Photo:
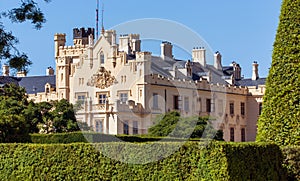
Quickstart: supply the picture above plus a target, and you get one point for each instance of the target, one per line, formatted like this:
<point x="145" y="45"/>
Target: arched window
<point x="102" y="58"/>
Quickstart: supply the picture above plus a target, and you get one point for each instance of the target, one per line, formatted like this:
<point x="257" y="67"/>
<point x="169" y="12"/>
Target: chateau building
<point x="122" y="89"/>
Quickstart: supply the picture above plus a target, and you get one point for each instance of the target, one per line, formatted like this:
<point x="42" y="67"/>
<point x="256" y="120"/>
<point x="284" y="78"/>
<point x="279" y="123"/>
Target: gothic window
<point x="102" y="58"/>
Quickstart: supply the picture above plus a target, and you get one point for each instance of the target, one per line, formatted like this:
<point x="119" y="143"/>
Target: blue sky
<point x="243" y="31"/>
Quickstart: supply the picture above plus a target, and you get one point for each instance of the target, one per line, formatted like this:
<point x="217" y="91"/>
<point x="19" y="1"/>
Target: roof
<point x="37" y="84"/>
<point x="163" y="67"/>
<point x="8" y="80"/>
<point x="250" y="82"/>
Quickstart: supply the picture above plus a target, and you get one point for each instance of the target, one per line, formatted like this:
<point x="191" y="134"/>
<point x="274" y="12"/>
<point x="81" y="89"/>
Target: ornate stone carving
<point x="102" y="79"/>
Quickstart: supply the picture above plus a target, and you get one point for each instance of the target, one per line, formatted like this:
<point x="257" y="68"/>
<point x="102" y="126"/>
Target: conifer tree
<point x="280" y="119"/>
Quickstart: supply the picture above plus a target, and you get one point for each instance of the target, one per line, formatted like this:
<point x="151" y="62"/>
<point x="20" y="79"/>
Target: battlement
<point x="83" y="33"/>
<point x="201" y="84"/>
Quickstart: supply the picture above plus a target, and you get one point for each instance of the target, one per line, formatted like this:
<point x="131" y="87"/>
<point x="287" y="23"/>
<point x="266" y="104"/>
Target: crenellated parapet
<point x="202" y="84"/>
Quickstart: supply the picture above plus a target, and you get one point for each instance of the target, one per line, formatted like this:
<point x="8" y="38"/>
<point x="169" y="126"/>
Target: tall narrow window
<point x="176" y="102"/>
<point x="155" y="100"/>
<point x="102" y="98"/>
<point x="231" y="108"/>
<point x="208" y="105"/>
<point x="125" y="127"/>
<point x="242" y="108"/>
<point x="99" y="126"/>
<point x="135" y="129"/>
<point x="123" y="97"/>
<point x="102" y="58"/>
<point x="220" y="106"/>
<point x="186" y="104"/>
<point x="243" y="135"/>
<point x="231" y="134"/>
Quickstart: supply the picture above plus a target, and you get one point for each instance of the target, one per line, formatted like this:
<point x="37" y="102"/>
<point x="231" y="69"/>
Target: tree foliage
<point x="173" y="125"/>
<point x="13" y="123"/>
<point x="280" y="119"/>
<point x="19" y="117"/>
<point x="27" y="11"/>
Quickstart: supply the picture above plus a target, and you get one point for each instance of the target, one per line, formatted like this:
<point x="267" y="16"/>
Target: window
<point x="125" y="127"/>
<point x="231" y="134"/>
<point x="99" y="126"/>
<point x="208" y="105"/>
<point x="102" y="58"/>
<point x="186" y="104"/>
<point x="220" y="106"/>
<point x="47" y="90"/>
<point x="155" y="100"/>
<point x="61" y="77"/>
<point x="81" y="98"/>
<point x="259" y="108"/>
<point x="231" y="108"/>
<point x="123" y="97"/>
<point x="135" y="129"/>
<point x="243" y="135"/>
<point x="242" y="108"/>
<point x="102" y="98"/>
<point x="176" y="102"/>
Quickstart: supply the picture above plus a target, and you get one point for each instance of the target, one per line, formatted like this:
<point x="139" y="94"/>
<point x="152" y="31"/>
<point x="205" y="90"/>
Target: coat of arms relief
<point x="102" y="79"/>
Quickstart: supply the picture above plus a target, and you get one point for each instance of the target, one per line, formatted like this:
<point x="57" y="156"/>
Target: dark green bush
<point x="102" y="161"/>
<point x="292" y="161"/>
<point x="92" y="137"/>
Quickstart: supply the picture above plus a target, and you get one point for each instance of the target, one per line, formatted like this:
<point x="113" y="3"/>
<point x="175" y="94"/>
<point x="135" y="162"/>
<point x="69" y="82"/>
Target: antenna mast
<point x="97" y="20"/>
<point x="102" y="19"/>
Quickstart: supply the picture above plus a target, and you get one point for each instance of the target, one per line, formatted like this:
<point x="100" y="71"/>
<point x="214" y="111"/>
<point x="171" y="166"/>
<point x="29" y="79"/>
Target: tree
<point x="28" y="11"/>
<point x="173" y="125"/>
<point x="280" y="118"/>
<point x="13" y="124"/>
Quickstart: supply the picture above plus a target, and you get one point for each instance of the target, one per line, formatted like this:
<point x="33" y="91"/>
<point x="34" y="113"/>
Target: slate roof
<point x="162" y="67"/>
<point x="250" y="82"/>
<point x="37" y="84"/>
<point x="8" y="80"/>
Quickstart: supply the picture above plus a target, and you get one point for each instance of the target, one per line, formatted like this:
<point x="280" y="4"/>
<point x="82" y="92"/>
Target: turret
<point x="59" y="40"/>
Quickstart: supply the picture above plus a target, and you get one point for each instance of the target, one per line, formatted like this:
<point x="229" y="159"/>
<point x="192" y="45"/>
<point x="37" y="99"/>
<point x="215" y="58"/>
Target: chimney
<point x="166" y="50"/>
<point x="218" y="61"/>
<point x="21" y="74"/>
<point x="255" y="71"/>
<point x="188" y="67"/>
<point x="199" y="55"/>
<point x="49" y="71"/>
<point x="5" y="70"/>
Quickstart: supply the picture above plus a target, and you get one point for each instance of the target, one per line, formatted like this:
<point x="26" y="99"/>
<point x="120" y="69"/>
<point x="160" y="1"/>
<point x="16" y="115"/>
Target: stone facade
<point x="123" y="89"/>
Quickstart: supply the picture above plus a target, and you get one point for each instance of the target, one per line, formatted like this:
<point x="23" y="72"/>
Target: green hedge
<point x="193" y="161"/>
<point x="92" y="137"/>
<point x="292" y="161"/>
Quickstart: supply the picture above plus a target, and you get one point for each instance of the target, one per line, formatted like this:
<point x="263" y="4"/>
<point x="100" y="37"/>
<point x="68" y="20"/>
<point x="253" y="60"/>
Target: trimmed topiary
<point x="280" y="119"/>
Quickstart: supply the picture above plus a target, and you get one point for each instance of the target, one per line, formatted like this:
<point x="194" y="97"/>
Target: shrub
<point x="292" y="161"/>
<point x="192" y="161"/>
<point x="279" y="121"/>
